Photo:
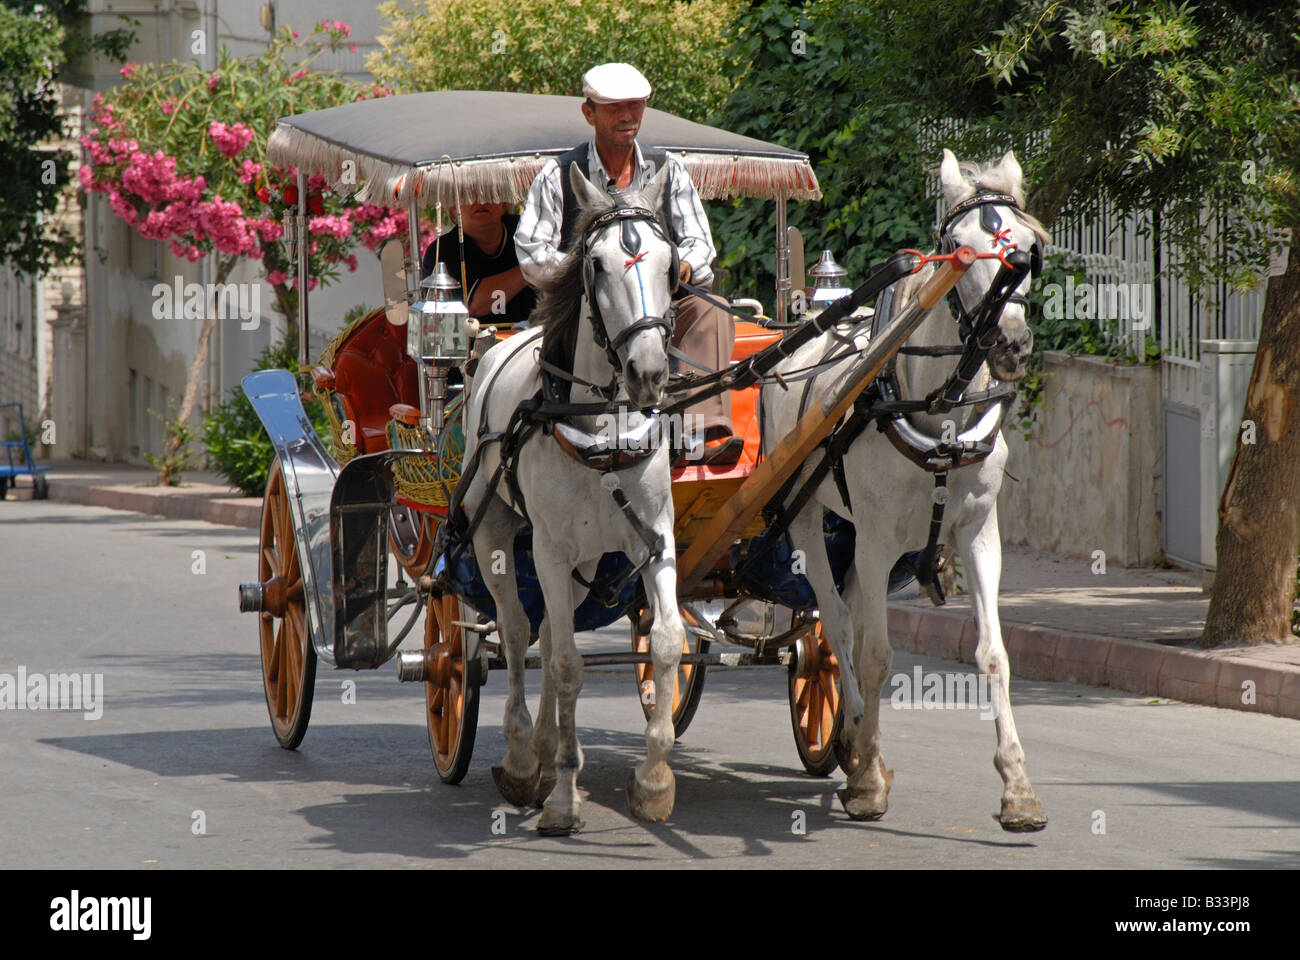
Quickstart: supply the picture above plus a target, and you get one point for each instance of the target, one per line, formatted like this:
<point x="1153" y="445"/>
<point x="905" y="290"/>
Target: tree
<point x="1153" y="105"/>
<point x="181" y="155"/>
<point x="36" y="40"/>
<point x="797" y="82"/>
<point x="540" y="46"/>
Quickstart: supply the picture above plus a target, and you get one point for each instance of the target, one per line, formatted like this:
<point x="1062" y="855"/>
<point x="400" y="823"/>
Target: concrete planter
<point x="1090" y="476"/>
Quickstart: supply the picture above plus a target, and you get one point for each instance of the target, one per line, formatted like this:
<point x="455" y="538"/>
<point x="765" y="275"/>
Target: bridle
<point x="630" y="243"/>
<point x="991" y="222"/>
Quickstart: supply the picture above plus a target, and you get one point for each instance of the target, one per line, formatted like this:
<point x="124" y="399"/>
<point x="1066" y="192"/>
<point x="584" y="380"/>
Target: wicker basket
<point x="428" y="480"/>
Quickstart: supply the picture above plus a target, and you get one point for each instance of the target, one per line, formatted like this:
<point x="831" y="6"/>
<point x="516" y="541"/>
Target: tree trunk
<point x="1259" y="513"/>
<point x="172" y="446"/>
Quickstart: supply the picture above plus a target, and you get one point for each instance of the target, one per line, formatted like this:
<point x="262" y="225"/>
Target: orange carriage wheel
<point x="288" y="657"/>
<point x="688" y="685"/>
<point x="816" y="711"/>
<point x="451" y="687"/>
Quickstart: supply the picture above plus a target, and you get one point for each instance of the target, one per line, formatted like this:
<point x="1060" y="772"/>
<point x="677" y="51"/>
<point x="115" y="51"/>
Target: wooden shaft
<point x="768" y="476"/>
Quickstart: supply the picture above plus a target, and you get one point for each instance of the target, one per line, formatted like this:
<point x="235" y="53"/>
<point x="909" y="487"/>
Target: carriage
<point x="393" y="384"/>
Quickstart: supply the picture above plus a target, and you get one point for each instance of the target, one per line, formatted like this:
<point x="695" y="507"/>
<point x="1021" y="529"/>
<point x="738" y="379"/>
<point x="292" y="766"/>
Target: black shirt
<point x="480" y="264"/>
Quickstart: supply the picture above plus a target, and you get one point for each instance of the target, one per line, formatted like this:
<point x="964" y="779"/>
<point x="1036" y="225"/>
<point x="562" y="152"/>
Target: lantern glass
<point x="441" y="336"/>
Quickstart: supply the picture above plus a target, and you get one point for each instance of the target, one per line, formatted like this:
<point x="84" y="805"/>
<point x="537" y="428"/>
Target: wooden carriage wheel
<point x="288" y="657"/>
<point x="450" y="690"/>
<point x="688" y="685"/>
<point x="816" y="710"/>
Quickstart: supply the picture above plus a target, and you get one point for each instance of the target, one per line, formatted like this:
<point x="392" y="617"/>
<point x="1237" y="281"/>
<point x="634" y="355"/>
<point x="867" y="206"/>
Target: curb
<point x="177" y="505"/>
<point x="1213" y="678"/>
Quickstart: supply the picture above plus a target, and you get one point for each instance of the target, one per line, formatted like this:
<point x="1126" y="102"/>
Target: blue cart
<point x="10" y="471"/>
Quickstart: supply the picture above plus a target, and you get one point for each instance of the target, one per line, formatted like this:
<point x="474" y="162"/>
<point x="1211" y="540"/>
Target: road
<point x="183" y="743"/>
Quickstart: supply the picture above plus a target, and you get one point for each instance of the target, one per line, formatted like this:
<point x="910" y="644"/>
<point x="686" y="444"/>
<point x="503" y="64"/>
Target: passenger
<point x="496" y="291"/>
<point x="613" y="161"/>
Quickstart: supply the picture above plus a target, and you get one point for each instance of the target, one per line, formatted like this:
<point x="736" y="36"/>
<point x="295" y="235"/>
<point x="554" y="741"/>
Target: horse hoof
<point x="520" y="792"/>
<point x="862" y="807"/>
<point x="558" y="823"/>
<point x="1022" y="816"/>
<point x="651" y="807"/>
<point x="544" y="787"/>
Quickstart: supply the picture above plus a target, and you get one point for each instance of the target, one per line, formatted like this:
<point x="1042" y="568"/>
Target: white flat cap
<point x="615" y="82"/>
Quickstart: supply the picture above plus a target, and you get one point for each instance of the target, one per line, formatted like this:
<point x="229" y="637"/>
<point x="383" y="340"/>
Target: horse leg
<point x="545" y="731"/>
<point x="652" y="789"/>
<point x="516" y="778"/>
<point x="564" y="663"/>
<point x="979" y="543"/>
<point x="866" y="796"/>
<point x="836" y="617"/>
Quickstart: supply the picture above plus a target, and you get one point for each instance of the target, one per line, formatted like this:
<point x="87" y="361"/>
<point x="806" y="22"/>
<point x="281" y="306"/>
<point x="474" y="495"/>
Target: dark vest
<point x="654" y="159"/>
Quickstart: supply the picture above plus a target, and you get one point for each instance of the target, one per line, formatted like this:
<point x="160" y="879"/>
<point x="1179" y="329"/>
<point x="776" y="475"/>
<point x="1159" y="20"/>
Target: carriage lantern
<point x="829" y="283"/>
<point x="438" y="336"/>
<point x="442" y="335"/>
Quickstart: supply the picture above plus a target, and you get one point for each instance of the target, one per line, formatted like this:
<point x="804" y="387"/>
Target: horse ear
<point x="588" y="195"/>
<point x="1011" y="167"/>
<point x="653" y="195"/>
<point x="953" y="183"/>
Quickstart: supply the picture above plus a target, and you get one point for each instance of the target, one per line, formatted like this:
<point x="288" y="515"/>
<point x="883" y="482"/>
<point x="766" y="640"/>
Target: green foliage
<point x="1152" y="104"/>
<point x="31" y="53"/>
<point x="544" y="46"/>
<point x="863" y="149"/>
<point x="178" y="434"/>
<point x="236" y="441"/>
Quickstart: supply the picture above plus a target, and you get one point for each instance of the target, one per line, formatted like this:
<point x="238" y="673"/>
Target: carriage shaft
<point x="730" y="521"/>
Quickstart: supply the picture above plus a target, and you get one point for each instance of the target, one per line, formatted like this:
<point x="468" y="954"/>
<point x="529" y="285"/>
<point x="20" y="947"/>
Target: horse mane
<point x="991" y="178"/>
<point x="559" y="298"/>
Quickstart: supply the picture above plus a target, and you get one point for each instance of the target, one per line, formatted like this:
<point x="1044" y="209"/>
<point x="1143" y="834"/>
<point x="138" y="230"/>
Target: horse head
<point x="986" y="211"/>
<point x="629" y="269"/>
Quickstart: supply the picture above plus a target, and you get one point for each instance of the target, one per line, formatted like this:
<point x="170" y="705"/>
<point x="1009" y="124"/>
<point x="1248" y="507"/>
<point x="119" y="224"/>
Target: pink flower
<point x="128" y="70"/>
<point x="295" y="34"/>
<point x="213" y="82"/>
<point x="230" y="140"/>
<point x="298" y="76"/>
<point x="249" y="172"/>
<point x="168" y="107"/>
<point x="331" y="225"/>
<point x="277" y="278"/>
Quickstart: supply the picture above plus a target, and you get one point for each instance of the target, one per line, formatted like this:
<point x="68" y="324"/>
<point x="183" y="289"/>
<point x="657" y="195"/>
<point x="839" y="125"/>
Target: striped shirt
<point x="537" y="240"/>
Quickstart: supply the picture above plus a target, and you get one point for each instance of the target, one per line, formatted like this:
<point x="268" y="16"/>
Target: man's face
<point x="481" y="215"/>
<point x="616" y="123"/>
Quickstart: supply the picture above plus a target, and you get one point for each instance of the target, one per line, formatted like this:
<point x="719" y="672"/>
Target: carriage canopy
<point x="497" y="143"/>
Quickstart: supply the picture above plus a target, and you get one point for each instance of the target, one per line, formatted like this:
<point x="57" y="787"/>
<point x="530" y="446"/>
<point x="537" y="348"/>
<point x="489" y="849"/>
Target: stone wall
<point x="1090" y="475"/>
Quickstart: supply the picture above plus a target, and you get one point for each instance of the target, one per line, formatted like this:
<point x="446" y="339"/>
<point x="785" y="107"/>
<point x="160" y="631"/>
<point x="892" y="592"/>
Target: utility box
<point x="1222" y="382"/>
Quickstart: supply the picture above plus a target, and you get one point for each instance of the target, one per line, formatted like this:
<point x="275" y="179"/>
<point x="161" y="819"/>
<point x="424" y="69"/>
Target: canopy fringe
<point x="506" y="179"/>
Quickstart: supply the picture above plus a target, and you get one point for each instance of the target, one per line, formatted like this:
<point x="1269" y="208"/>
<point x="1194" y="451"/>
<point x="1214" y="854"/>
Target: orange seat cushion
<point x="372" y="371"/>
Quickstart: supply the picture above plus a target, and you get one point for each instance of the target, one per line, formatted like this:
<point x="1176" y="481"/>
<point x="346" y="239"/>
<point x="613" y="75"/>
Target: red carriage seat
<point x="372" y="371"/>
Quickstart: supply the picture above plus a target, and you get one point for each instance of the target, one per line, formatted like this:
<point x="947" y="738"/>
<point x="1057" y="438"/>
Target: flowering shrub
<point x="180" y="154"/>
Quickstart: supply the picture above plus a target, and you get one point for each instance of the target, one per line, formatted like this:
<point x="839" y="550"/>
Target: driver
<point x="616" y="96"/>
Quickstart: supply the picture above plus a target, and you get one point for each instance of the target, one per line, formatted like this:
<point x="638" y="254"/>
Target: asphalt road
<point x="184" y="731"/>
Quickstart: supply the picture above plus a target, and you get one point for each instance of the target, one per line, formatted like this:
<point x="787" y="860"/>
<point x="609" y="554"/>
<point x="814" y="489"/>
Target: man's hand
<point x="684" y="271"/>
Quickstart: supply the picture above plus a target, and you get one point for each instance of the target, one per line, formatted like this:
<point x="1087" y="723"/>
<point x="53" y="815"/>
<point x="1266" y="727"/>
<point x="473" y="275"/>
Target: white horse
<point x="624" y="262"/>
<point x="892" y="497"/>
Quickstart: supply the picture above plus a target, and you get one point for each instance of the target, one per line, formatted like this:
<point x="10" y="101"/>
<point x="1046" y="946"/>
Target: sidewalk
<point x="1130" y="629"/>
<point x="204" y="495"/>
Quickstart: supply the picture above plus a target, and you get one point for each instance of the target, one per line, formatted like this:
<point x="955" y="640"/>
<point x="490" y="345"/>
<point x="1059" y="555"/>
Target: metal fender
<point x="309" y="476"/>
